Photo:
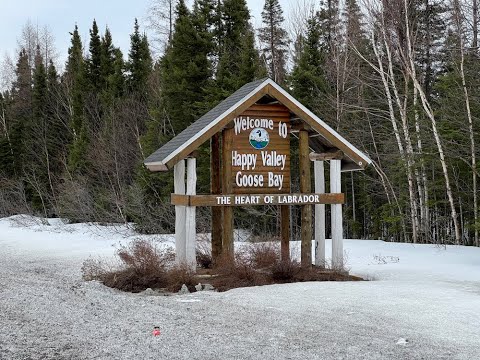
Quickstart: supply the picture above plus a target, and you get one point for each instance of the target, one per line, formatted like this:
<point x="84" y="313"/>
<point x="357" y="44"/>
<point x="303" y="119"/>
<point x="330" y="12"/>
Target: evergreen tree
<point x="274" y="39"/>
<point x="185" y="71"/>
<point x="94" y="62"/>
<point x="430" y="26"/>
<point x="36" y="172"/>
<point x="238" y="59"/>
<point x="308" y="80"/>
<point x="139" y="62"/>
<point x="39" y="88"/>
<point x="111" y="69"/>
<point x="58" y="131"/>
<point x="116" y="81"/>
<point x="21" y="112"/>
<point x="75" y="76"/>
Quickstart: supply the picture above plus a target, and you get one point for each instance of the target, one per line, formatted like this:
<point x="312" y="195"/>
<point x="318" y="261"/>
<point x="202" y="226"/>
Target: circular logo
<point x="259" y="138"/>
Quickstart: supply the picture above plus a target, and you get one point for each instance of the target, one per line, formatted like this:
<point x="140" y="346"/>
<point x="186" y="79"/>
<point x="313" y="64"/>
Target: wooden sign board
<point x="261" y="150"/>
<point x="257" y="199"/>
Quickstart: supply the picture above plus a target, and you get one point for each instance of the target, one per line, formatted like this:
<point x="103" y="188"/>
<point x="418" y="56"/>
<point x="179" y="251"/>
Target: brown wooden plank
<point x="180" y="200"/>
<point x="306" y="211"/>
<point x="266" y="114"/>
<point x="273" y="107"/>
<point x="274" y="199"/>
<point x="335" y="155"/>
<point x="216" y="188"/>
<point x="227" y="142"/>
<point x="285" y="232"/>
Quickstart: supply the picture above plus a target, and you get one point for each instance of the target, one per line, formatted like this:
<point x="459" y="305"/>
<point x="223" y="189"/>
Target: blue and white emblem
<point x="259" y="138"/>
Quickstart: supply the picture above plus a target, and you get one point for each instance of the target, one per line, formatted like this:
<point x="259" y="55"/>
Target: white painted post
<point x="179" y="188"/>
<point x="190" y="223"/>
<point x="337" y="221"/>
<point x="319" y="174"/>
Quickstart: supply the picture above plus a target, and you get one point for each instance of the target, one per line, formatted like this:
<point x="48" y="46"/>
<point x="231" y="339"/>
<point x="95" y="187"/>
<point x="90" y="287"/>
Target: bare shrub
<point x="264" y="255"/>
<point x="260" y="264"/>
<point x="203" y="252"/>
<point x="143" y="265"/>
<point x="94" y="269"/>
<point x="143" y="257"/>
<point x="13" y="198"/>
<point x="285" y="271"/>
<point x="180" y="275"/>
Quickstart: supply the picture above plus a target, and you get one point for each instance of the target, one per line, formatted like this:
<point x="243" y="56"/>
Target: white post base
<point x="179" y="188"/>
<point x="337" y="219"/>
<point x="319" y="175"/>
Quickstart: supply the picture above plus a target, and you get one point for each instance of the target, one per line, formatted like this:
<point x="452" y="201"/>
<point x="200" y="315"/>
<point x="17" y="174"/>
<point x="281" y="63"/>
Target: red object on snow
<point x="156" y="331"/>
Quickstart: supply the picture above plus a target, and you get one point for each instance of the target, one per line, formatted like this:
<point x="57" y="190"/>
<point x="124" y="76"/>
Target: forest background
<point x="399" y="79"/>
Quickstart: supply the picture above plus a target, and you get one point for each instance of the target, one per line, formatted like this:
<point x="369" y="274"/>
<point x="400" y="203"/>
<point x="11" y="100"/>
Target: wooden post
<point x="227" y="188"/>
<point x="305" y="187"/>
<point x="319" y="214"/>
<point x="285" y="232"/>
<point x="337" y="221"/>
<point x="190" y="223"/>
<point x="216" y="188"/>
<point x="179" y="188"/>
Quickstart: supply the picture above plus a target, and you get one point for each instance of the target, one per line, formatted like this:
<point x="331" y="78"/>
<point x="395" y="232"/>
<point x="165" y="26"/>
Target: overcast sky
<point x="62" y="15"/>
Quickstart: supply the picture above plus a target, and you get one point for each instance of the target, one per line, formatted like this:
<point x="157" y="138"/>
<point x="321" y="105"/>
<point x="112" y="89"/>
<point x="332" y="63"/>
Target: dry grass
<point x="144" y="265"/>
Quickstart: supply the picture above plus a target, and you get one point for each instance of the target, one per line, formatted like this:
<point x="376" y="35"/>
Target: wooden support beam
<point x="319" y="174"/>
<point x="216" y="189"/>
<point x="285" y="232"/>
<point x="227" y="187"/>
<point x="190" y="218"/>
<point x="305" y="187"/>
<point x="337" y="219"/>
<point x="336" y="155"/>
<point x="179" y="188"/>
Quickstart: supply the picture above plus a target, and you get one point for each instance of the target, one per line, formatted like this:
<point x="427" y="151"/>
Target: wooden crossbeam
<point x="335" y="155"/>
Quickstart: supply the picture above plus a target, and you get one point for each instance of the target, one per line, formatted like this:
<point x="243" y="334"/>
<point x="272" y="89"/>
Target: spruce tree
<point x="21" y="112"/>
<point x="111" y="69"/>
<point x="274" y="39"/>
<point x="57" y="140"/>
<point x="308" y="80"/>
<point x="116" y="81"/>
<point x="36" y="171"/>
<point x="185" y="71"/>
<point x="238" y="58"/>
<point x="107" y="57"/>
<point x="76" y="77"/>
<point x="39" y="88"/>
<point x="139" y="63"/>
<point x="94" y="62"/>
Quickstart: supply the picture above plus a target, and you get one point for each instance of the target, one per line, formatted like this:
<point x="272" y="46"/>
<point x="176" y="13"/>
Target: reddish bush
<point x="144" y="265"/>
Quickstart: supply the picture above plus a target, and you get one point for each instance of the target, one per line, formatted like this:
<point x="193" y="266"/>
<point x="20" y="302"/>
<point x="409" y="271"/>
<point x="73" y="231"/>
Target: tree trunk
<point x="410" y="66"/>
<point x="458" y="17"/>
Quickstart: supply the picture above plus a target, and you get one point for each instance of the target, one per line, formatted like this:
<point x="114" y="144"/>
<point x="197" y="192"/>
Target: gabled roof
<point x="220" y="116"/>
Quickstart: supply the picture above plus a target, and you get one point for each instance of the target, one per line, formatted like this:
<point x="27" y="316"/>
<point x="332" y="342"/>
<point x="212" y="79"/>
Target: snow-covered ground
<point x="423" y="303"/>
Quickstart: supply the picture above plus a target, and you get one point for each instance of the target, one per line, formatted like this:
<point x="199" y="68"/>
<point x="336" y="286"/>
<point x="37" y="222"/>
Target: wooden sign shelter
<point x="250" y="134"/>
